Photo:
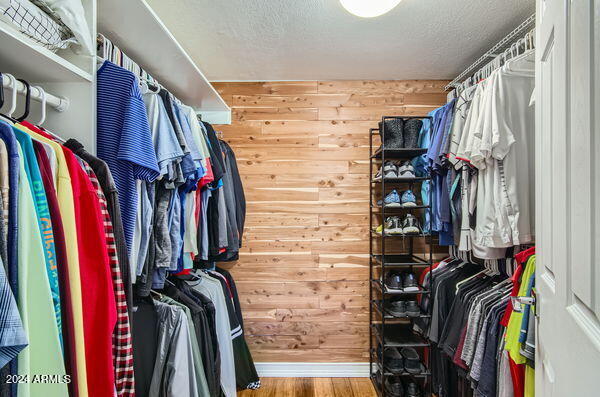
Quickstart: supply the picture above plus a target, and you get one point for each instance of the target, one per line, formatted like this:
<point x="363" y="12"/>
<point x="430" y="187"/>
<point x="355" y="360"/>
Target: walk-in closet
<point x="382" y="198"/>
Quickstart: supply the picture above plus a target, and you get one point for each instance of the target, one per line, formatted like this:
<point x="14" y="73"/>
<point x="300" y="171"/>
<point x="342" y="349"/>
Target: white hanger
<point x="13" y="86"/>
<point x="43" y="96"/>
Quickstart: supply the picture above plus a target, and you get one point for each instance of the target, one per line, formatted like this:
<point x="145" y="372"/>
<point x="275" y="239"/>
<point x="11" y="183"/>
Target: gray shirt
<point x="198" y="365"/>
<point x="211" y="288"/>
<point x="173" y="374"/>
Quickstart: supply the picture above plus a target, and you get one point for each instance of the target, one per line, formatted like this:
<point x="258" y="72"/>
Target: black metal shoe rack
<point x="389" y="252"/>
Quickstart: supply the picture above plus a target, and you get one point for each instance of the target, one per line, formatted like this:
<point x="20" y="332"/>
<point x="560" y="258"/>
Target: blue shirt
<point x="14" y="164"/>
<point x="166" y="145"/>
<point x="124" y="140"/>
<point x="7" y="135"/>
<point x="12" y="334"/>
<point x="44" y="222"/>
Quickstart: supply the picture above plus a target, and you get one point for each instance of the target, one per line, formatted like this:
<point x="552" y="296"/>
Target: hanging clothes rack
<point x="504" y="44"/>
<point x="60" y="104"/>
<point x="114" y="54"/>
<point x="107" y="51"/>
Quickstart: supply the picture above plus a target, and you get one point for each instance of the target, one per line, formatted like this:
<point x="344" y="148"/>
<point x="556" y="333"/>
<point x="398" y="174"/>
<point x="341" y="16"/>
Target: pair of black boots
<point x="400" y="133"/>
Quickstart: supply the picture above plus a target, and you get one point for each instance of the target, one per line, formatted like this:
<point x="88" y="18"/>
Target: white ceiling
<point x="258" y="40"/>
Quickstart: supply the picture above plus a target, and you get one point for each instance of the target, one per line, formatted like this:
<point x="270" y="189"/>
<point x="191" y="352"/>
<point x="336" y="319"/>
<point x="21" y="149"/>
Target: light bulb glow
<point x="369" y="8"/>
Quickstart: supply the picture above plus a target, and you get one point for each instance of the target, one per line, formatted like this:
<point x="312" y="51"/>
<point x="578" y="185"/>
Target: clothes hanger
<point x="43" y="96"/>
<point x="1" y="91"/>
<point x="27" y="100"/>
<point x="13" y="104"/>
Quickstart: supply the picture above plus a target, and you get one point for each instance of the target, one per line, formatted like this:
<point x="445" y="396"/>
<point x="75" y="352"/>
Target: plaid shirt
<point x="122" y="345"/>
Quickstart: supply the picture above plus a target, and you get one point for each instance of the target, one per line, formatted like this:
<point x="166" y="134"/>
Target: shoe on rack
<point x="412" y="309"/>
<point x="393" y="226"/>
<point x="390" y="225"/>
<point x="406" y="170"/>
<point x="394" y="133"/>
<point x="412" y="361"/>
<point x="389" y="170"/>
<point x="409" y="283"/>
<point x="392" y="199"/>
<point x="412" y="390"/>
<point x="412" y="128"/>
<point x="410" y="225"/>
<point x="393" y="360"/>
<point x="393" y="281"/>
<point x="394" y="386"/>
<point x="408" y="199"/>
<point x="397" y="308"/>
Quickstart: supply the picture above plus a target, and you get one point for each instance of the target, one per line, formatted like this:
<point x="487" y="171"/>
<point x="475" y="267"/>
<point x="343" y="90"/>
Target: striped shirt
<point x="124" y="140"/>
<point x="12" y="334"/>
<point x="121" y="340"/>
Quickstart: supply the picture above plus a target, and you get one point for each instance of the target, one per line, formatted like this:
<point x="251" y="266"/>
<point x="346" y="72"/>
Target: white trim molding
<point x="313" y="370"/>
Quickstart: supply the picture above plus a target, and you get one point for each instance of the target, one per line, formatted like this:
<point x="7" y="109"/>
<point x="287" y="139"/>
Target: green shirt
<point x="43" y="356"/>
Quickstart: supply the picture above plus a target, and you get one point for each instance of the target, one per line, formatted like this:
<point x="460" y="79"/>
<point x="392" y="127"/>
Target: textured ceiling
<point x="256" y="40"/>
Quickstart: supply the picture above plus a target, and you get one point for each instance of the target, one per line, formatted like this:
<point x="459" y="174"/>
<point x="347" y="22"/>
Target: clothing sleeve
<point x="136" y="144"/>
<point x="502" y="135"/>
<point x="482" y="142"/>
<point x="240" y="198"/>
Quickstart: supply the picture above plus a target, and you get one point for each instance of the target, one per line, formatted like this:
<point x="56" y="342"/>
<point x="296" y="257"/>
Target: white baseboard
<point x="313" y="370"/>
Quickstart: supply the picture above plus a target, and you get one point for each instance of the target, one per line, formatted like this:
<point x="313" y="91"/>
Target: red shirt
<point x="98" y="298"/>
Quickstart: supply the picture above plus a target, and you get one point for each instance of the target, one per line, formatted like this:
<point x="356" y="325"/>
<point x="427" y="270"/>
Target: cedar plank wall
<point x="302" y="150"/>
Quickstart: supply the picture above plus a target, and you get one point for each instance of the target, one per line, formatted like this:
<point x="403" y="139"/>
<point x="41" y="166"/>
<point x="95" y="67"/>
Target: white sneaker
<point x="406" y="170"/>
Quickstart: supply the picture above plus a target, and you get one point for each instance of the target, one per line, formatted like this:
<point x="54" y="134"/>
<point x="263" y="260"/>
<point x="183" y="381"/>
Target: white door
<point x="568" y="198"/>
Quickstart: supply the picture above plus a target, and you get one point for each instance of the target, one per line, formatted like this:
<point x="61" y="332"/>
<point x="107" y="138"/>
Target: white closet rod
<point x="509" y="39"/>
<point x="60" y="104"/>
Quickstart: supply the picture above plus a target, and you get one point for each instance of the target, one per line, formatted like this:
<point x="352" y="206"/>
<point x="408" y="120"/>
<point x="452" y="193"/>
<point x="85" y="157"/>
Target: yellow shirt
<point x="64" y="194"/>
<point x="513" y="330"/>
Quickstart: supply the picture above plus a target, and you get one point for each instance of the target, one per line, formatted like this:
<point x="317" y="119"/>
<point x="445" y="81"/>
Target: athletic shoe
<point x="408" y="199"/>
<point x="393" y="360"/>
<point x="393" y="281"/>
<point x="395" y="226"/>
<point x="392" y="199"/>
<point x="406" y="170"/>
<point x="409" y="283"/>
<point x="412" y="309"/>
<point x="412" y="390"/>
<point x="412" y="361"/>
<point x="391" y="226"/>
<point x="397" y="308"/>
<point x="410" y="225"/>
<point x="394" y="386"/>
<point x="389" y="170"/>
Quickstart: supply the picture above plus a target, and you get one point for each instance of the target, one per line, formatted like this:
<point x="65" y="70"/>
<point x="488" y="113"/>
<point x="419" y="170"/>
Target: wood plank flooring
<point x="312" y="387"/>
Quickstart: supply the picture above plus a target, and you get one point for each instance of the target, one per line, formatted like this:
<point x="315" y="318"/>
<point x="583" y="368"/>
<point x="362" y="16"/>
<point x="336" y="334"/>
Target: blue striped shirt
<point x="124" y="140"/>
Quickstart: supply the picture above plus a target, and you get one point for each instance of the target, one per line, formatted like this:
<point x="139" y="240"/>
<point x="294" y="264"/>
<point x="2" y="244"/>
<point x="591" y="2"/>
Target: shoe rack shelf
<point x="401" y="180"/>
<point x="395" y="252"/>
<point x="398" y="153"/>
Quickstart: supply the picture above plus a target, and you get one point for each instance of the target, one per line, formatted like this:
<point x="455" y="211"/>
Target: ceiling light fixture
<point x="369" y="8"/>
